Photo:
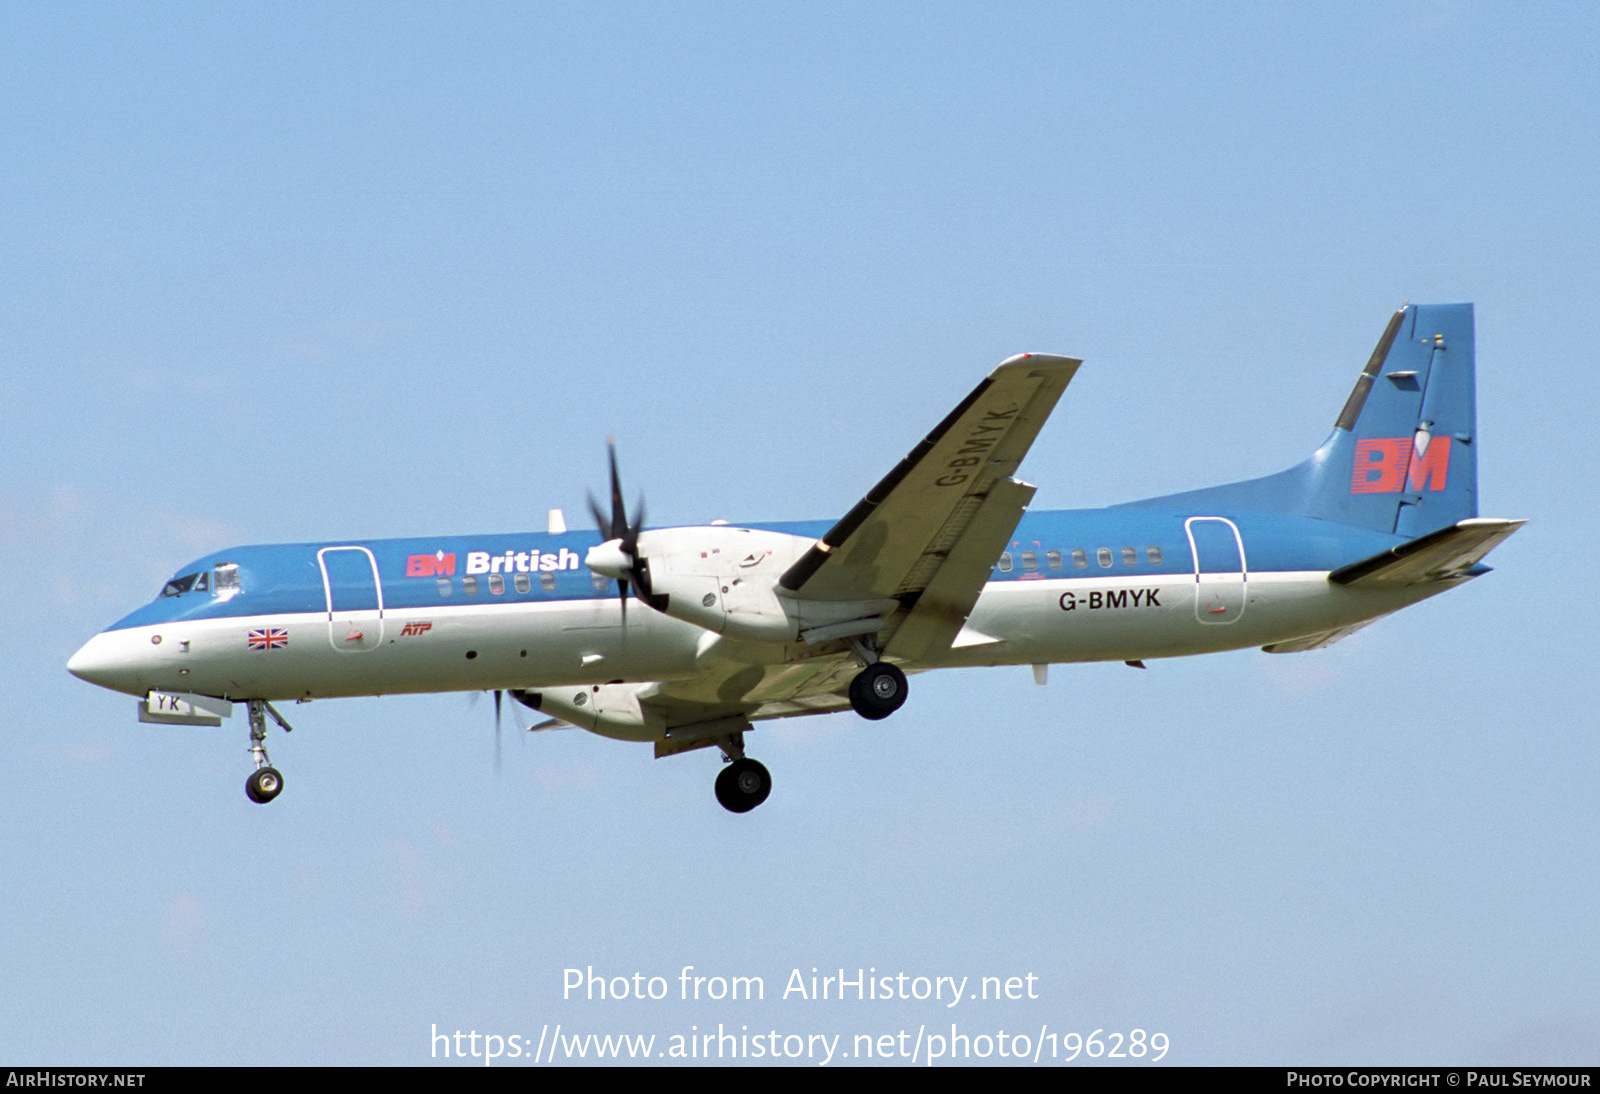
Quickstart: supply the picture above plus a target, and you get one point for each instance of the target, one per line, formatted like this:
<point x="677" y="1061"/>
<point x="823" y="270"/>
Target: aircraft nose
<point x="101" y="662"/>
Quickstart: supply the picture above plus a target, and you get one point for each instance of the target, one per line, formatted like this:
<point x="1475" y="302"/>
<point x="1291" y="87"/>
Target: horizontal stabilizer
<point x="1443" y="555"/>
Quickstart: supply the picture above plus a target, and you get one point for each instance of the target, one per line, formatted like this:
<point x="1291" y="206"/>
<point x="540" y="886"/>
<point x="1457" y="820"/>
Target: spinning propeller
<point x="618" y="557"/>
<point x="499" y="696"/>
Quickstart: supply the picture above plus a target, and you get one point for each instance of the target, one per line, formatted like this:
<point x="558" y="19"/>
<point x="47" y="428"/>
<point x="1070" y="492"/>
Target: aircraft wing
<point x="725" y="698"/>
<point x="693" y="718"/>
<point x="943" y="605"/>
<point x="935" y="524"/>
<point x="926" y="536"/>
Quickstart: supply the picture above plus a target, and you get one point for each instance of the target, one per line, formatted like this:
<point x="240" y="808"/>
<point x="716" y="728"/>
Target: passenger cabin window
<point x="1130" y="557"/>
<point x="547" y="582"/>
<point x="1005" y="562"/>
<point x="497" y="584"/>
<point x="1153" y="555"/>
<point x="446" y="587"/>
<point x="469" y="585"/>
<point x="1054" y="559"/>
<point x="1103" y="556"/>
<point x="1030" y="561"/>
<point x="600" y="581"/>
<point x="1080" y="559"/>
<point x="522" y="583"/>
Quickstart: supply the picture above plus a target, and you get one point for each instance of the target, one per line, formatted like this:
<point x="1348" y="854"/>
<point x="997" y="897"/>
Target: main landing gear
<point x="744" y="783"/>
<point x="266" y="782"/>
<point x="878" y="690"/>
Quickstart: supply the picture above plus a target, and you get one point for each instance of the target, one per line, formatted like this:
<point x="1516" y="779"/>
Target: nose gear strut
<point x="266" y="782"/>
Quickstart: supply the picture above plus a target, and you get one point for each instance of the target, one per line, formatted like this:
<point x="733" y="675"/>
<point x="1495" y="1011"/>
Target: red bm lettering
<point x="430" y="565"/>
<point x="1380" y="465"/>
<point x="1384" y="464"/>
<point x="1430" y="466"/>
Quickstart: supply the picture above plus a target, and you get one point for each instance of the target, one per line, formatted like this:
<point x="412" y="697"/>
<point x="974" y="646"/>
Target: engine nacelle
<point x="616" y="711"/>
<point x="725" y="579"/>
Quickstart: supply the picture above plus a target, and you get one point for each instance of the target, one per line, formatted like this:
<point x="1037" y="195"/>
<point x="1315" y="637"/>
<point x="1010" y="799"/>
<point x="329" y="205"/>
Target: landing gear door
<point x="1220" y="572"/>
<point x="355" y="598"/>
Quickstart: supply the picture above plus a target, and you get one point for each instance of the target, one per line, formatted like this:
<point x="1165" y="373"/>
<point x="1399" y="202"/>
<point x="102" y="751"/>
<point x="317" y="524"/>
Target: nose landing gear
<point x="264" y="785"/>
<point x="266" y="782"/>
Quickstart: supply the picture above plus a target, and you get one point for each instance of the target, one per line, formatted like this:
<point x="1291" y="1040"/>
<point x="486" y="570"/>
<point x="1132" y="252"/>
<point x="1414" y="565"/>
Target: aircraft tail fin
<point x="1402" y="457"/>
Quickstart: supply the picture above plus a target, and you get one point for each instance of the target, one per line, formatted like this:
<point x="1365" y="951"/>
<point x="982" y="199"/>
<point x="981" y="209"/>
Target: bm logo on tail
<point x="1384" y="464"/>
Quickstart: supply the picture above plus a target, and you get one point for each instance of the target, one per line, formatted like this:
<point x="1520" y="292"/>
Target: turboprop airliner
<point x="687" y="638"/>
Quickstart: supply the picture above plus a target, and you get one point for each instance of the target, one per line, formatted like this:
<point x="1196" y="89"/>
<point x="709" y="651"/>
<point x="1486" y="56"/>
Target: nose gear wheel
<point x="263" y="785"/>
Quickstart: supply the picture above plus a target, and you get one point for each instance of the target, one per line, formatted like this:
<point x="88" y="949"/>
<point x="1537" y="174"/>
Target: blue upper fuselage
<point x="540" y="566"/>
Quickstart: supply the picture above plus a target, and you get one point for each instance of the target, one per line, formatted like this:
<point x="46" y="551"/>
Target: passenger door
<point x="1220" y="571"/>
<point x="355" y="598"/>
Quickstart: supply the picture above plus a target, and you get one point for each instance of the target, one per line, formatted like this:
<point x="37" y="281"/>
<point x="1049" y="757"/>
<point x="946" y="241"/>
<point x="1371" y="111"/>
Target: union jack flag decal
<point x="271" y="639"/>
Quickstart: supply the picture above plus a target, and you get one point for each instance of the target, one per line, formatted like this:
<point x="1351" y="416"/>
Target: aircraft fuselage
<point x="466" y="613"/>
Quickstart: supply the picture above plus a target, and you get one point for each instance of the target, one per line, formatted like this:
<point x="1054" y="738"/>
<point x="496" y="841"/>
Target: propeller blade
<point x="635" y="578"/>
<point x="498" y="695"/>
<point x="630" y="534"/>
<point x="600" y="520"/>
<point x="619" y="514"/>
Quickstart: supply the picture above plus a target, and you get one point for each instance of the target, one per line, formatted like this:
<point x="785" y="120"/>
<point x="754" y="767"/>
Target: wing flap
<point x="947" y="598"/>
<point x="1444" y="555"/>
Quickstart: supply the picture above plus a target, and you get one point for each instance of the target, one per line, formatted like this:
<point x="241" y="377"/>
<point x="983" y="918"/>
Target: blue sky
<point x="276" y="272"/>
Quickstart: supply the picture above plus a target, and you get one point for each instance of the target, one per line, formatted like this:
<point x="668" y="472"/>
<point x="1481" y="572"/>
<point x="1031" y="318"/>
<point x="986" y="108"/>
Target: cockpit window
<point x="179" y="585"/>
<point x="225" y="580"/>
